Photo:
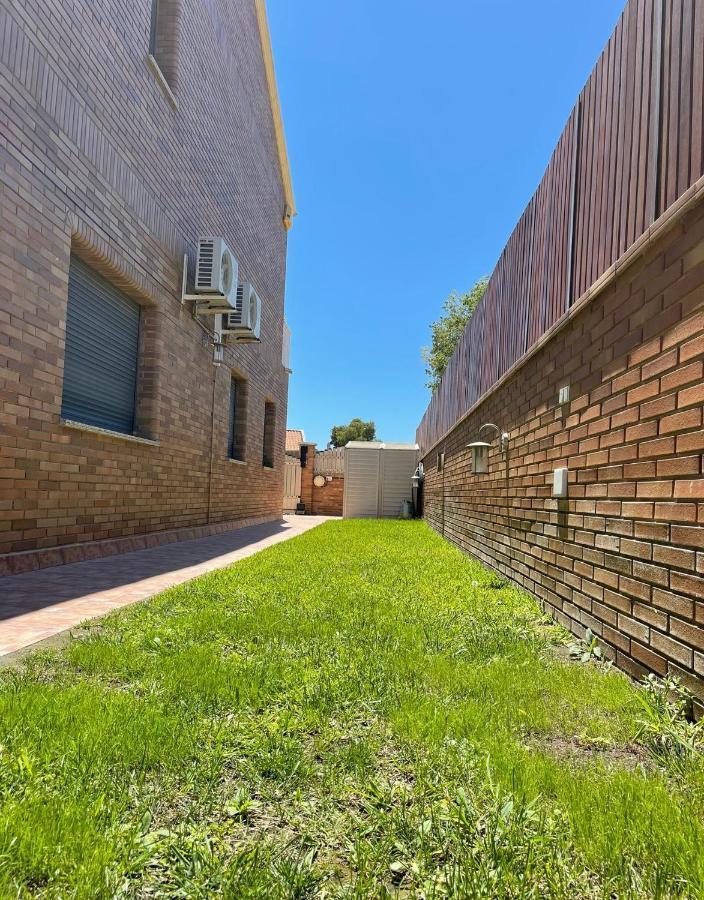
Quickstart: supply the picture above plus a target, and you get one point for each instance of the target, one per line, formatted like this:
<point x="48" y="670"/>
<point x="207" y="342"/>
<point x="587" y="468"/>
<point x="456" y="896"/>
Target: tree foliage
<point x="445" y="332"/>
<point x="357" y="430"/>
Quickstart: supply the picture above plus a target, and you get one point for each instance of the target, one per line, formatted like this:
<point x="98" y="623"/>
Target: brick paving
<point x="37" y="605"/>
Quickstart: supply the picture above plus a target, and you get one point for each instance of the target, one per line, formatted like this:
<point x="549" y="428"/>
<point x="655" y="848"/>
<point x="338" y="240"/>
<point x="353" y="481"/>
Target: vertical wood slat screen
<point x="632" y="146"/>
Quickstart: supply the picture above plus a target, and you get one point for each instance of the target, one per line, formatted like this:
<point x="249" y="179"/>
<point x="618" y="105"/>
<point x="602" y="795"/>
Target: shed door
<point x="398" y="467"/>
<point x="102" y="343"/>
<point x="361" y="491"/>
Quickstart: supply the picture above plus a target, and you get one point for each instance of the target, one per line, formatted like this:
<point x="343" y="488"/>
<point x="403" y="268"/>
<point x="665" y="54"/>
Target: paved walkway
<point x="38" y="605"/>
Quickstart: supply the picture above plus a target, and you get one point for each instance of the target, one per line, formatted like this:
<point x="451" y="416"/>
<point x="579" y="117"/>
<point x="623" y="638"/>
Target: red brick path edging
<point x="31" y="560"/>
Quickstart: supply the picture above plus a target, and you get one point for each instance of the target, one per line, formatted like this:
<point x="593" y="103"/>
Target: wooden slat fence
<point x="633" y="144"/>
<point x="292" y="483"/>
<point x="330" y="462"/>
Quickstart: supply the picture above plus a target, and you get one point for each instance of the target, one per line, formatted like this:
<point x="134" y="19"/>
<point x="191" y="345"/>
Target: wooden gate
<point x="292" y="483"/>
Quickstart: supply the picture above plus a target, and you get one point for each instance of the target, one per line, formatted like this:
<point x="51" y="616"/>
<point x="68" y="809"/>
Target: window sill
<point x="162" y="82"/>
<point x="238" y="462"/>
<point x="270" y="468"/>
<point x="107" y="432"/>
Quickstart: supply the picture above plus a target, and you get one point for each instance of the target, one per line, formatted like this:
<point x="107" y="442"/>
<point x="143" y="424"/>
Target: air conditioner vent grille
<point x="216" y="276"/>
<point x="204" y="276"/>
<point x="239" y="303"/>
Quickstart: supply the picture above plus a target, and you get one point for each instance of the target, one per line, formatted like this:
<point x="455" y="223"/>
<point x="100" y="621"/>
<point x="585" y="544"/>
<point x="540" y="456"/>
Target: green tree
<point x="357" y="430"/>
<point x="445" y="332"/>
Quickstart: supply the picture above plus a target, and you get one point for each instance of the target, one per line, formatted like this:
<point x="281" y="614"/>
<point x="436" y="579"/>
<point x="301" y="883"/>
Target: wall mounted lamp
<point x="480" y="449"/>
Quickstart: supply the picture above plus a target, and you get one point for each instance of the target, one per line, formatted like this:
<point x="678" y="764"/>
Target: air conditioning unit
<point x="216" y="276"/>
<point x="244" y="322"/>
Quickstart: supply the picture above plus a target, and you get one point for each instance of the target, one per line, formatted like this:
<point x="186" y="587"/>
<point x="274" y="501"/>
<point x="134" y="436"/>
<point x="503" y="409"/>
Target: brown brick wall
<point x="95" y="159"/>
<point x="307" y="475"/>
<point x="624" y="553"/>
<point x="327" y="500"/>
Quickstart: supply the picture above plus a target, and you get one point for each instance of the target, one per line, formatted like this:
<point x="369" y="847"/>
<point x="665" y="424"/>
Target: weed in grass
<point x="665" y="724"/>
<point x="586" y="649"/>
<point x="360" y="712"/>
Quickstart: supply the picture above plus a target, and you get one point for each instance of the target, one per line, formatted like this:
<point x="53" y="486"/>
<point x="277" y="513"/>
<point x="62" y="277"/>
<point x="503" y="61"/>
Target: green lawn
<point x="359" y="712"/>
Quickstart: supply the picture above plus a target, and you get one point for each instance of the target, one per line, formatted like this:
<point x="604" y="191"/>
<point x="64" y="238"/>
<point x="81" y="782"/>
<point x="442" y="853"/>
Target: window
<point x="154" y="28"/>
<point x="269" y="433"/>
<point x="441" y="461"/>
<point x="238" y="419"/>
<point x="102" y="348"/>
<point x="163" y="37"/>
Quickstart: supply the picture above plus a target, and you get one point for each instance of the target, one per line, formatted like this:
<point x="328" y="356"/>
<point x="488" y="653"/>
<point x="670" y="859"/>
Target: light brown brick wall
<point x="624" y="554"/>
<point x="95" y="159"/>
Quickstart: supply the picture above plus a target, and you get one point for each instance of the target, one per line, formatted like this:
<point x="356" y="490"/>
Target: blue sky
<point x="417" y="133"/>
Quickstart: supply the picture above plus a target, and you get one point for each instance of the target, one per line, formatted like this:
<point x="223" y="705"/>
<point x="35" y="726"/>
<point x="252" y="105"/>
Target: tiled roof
<point x="294" y="439"/>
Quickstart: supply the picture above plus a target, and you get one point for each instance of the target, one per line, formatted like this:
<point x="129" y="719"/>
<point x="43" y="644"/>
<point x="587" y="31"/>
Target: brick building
<point x="588" y="351"/>
<point x="128" y="130"/>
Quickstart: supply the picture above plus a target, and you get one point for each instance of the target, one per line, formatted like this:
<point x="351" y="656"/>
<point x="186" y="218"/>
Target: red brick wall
<point x="327" y="500"/>
<point x="624" y="553"/>
<point x="96" y="159"/>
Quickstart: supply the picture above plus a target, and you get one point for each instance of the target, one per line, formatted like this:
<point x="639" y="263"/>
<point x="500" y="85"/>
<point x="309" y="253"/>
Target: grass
<point x="359" y="712"/>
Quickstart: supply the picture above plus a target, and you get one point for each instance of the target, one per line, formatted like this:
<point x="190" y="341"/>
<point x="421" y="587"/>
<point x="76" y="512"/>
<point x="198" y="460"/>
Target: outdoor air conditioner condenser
<point x="244" y="322"/>
<point x="216" y="276"/>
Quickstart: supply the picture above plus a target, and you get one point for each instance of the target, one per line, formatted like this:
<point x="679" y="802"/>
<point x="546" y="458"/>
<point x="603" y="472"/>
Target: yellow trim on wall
<point x="265" y="36"/>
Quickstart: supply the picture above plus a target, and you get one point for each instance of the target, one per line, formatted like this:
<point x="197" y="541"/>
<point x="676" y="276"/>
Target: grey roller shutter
<point x="102" y="346"/>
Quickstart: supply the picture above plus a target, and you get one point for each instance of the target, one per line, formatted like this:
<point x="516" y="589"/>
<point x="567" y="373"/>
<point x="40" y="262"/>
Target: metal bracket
<point x="503" y="435"/>
<point x="231" y="338"/>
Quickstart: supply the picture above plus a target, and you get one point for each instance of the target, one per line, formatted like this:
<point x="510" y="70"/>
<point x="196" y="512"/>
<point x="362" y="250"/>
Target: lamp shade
<point x="480" y="457"/>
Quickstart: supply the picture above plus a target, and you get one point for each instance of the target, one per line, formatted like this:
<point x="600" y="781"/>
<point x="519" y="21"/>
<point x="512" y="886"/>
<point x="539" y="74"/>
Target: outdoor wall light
<point x="480" y="457"/>
<point x="480" y="449"/>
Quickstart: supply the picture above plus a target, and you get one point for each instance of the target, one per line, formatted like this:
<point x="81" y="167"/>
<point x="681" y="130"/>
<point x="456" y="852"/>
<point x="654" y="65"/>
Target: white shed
<point x="377" y="478"/>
